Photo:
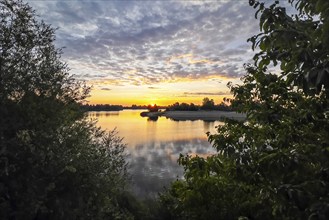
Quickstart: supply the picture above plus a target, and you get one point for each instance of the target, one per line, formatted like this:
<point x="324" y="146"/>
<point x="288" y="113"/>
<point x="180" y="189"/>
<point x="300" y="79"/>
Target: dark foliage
<point x="100" y="107"/>
<point x="274" y="165"/>
<point x="182" y="107"/>
<point x="207" y="104"/>
<point x="54" y="163"/>
<point x="152" y="108"/>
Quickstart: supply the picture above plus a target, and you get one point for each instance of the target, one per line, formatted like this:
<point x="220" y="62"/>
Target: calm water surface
<point x="154" y="146"/>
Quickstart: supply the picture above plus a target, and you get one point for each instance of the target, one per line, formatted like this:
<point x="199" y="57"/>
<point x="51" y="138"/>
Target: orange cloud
<point x="190" y="60"/>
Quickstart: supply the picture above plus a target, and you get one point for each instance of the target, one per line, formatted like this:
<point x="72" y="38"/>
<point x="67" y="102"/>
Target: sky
<point x="153" y="52"/>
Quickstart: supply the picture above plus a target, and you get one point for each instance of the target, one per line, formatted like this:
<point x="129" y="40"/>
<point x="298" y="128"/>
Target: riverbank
<point x="197" y="115"/>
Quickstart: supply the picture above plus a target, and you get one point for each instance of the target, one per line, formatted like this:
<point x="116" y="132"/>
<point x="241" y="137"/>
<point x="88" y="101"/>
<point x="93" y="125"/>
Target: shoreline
<point x="196" y="115"/>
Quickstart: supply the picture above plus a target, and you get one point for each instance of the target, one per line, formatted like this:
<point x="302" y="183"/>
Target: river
<point x="153" y="147"/>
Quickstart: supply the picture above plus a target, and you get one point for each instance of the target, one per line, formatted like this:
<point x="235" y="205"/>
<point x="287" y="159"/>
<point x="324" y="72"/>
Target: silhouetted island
<point x="196" y="115"/>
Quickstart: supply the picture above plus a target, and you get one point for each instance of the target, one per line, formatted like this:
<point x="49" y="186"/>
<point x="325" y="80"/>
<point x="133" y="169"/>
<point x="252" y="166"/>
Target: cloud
<point x="152" y="87"/>
<point x="205" y="93"/>
<point x="148" y="42"/>
<point x="154" y="165"/>
<point x="106" y="89"/>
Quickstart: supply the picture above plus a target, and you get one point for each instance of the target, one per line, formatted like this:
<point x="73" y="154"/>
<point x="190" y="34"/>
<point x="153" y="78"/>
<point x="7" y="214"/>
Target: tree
<point x="208" y="104"/>
<point x="193" y="107"/>
<point x="274" y="165"/>
<point x="153" y="108"/>
<point x="55" y="164"/>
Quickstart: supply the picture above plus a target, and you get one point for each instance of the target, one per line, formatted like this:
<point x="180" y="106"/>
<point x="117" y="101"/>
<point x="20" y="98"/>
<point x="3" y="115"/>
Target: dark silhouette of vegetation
<point x="182" y="107"/>
<point x="208" y="104"/>
<point x="225" y="105"/>
<point x="55" y="164"/>
<point x="136" y="107"/>
<point x="153" y="108"/>
<point x="100" y="107"/>
<point x="274" y="165"/>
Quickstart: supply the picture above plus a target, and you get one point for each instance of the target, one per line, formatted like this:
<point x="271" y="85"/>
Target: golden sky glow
<point x="166" y="93"/>
<point x="161" y="52"/>
<point x="191" y="59"/>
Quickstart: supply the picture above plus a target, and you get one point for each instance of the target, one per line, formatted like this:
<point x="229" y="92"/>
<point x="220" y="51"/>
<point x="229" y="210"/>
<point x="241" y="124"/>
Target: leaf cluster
<point x="55" y="164"/>
<point x="275" y="164"/>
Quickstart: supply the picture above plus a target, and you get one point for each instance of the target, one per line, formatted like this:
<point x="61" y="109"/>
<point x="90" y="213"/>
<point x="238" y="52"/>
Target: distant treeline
<point x="192" y="107"/>
<point x="108" y="107"/>
<point x="207" y="104"/>
<point x="100" y="107"/>
<point x="144" y="107"/>
<point x="183" y="107"/>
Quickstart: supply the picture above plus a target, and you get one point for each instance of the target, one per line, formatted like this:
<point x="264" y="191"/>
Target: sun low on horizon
<point x="153" y="52"/>
<point x="163" y="94"/>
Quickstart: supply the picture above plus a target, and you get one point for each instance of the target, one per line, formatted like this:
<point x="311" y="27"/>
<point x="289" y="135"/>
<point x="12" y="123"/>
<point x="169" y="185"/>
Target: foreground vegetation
<point x="54" y="163"/>
<point x="207" y="104"/>
<point x="275" y="165"/>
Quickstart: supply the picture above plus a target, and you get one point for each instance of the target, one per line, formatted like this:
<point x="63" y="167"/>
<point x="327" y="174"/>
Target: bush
<point x="274" y="165"/>
<point x="55" y="164"/>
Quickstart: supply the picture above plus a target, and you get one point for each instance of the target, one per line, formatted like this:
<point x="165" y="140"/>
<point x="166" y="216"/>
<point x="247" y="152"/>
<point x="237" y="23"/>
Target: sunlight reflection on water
<point x="154" y="146"/>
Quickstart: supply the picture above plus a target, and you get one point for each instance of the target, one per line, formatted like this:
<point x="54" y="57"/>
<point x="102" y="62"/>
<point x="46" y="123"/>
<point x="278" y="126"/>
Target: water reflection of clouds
<point x="154" y="165"/>
<point x="138" y="130"/>
<point x="154" y="146"/>
<point x="103" y="114"/>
